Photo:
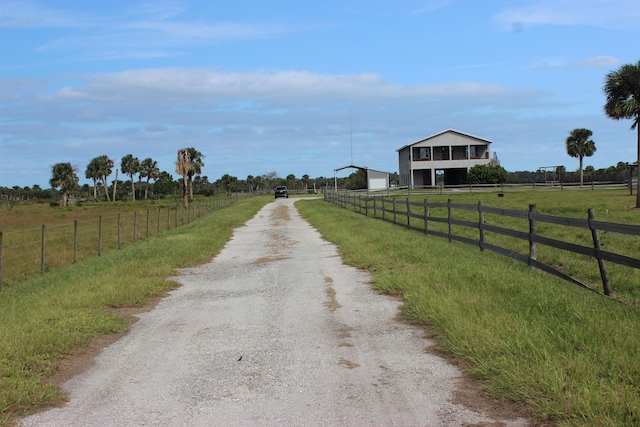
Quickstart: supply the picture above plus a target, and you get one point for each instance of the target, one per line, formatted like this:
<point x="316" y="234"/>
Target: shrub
<point x="487" y="174"/>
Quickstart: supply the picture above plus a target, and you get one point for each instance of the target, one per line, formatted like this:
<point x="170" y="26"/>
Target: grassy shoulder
<point x="44" y="320"/>
<point x="567" y="355"/>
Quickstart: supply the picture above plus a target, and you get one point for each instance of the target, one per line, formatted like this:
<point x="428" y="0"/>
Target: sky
<point x="305" y="87"/>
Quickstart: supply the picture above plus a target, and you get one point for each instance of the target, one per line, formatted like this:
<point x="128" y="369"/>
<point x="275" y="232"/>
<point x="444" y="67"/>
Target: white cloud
<point x="141" y="32"/>
<point x="619" y="14"/>
<point x="597" y="62"/>
<point x="600" y="62"/>
<point x="249" y="89"/>
<point x="28" y="14"/>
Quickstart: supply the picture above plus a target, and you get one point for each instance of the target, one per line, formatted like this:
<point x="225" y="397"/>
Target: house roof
<point x="442" y="133"/>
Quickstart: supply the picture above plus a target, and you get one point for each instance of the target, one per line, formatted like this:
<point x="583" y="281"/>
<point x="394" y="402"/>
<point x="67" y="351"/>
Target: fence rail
<point x="30" y="252"/>
<point x="468" y="224"/>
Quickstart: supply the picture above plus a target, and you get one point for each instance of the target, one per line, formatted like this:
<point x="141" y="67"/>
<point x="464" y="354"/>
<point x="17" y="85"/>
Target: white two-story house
<point x="450" y="152"/>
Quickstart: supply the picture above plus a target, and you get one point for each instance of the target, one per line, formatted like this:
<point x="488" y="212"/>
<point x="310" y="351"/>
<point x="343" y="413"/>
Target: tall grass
<point x="564" y="354"/>
<point x="44" y="320"/>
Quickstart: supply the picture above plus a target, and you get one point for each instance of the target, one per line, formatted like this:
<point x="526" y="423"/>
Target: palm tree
<point x="130" y="165"/>
<point x="183" y="166"/>
<point x="622" y="88"/>
<point x="64" y="176"/>
<point x="305" y="182"/>
<point x="93" y="172"/>
<point x="149" y="169"/>
<point x="100" y="168"/>
<point x="579" y="145"/>
<point x="196" y="167"/>
<point x="106" y="167"/>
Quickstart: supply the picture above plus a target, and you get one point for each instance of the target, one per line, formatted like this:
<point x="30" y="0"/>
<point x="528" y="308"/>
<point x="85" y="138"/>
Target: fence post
<point x="533" y="250"/>
<point x="449" y="218"/>
<point x="168" y="218"/>
<point x="159" y="220"/>
<point x="42" y="250"/>
<point x="481" y="225"/>
<point x="0" y="260"/>
<point x="408" y="214"/>
<point x="135" y="226"/>
<point x="119" y="232"/>
<point x="75" y="241"/>
<point x="426" y="216"/>
<point x="148" y="213"/>
<point x="176" y="221"/>
<point x="394" y="211"/>
<point x="100" y="235"/>
<point x="383" y="208"/>
<point x="596" y="244"/>
<point x="375" y="209"/>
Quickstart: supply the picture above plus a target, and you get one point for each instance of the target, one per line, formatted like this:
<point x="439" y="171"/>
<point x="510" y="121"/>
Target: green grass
<point x="121" y="223"/>
<point x="608" y="205"/>
<point x="46" y="319"/>
<point x="566" y="355"/>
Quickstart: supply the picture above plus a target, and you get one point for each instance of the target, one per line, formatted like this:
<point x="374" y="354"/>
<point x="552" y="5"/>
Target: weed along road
<point x="274" y="331"/>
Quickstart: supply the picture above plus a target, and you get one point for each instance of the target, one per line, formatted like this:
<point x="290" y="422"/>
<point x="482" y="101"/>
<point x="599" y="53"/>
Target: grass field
<point x="80" y="232"/>
<point x="566" y="355"/>
<point x="613" y="206"/>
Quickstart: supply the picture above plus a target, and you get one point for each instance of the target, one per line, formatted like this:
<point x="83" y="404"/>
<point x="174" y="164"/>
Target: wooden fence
<point x="26" y="253"/>
<point x="473" y="228"/>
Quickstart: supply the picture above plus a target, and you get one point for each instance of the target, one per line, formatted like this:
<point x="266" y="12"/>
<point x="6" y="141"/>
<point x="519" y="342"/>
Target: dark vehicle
<point x="281" y="191"/>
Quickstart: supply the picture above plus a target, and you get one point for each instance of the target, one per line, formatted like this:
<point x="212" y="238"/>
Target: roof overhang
<point x="442" y="133"/>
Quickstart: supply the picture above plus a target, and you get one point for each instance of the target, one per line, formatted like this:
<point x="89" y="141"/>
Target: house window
<point x="441" y="153"/>
<point x="424" y="154"/>
<point x="478" y="152"/>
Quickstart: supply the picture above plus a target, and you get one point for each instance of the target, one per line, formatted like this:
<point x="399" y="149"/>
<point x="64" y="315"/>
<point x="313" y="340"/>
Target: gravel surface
<point x="274" y="331"/>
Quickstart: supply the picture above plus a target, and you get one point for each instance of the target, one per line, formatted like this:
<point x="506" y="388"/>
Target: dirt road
<point x="274" y="331"/>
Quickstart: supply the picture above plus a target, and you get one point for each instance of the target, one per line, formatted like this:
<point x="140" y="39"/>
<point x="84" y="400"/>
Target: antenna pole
<point x="350" y="136"/>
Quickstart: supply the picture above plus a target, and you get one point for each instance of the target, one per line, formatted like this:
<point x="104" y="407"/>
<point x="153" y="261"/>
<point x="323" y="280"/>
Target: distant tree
<point x="130" y="166"/>
<point x="305" y="182"/>
<point x="64" y="177"/>
<point x="270" y="180"/>
<point x="228" y="183"/>
<point x="100" y="168"/>
<point x="250" y="183"/>
<point x="258" y="183"/>
<point x="93" y="173"/>
<point x="164" y="184"/>
<point x="183" y="167"/>
<point x="357" y="180"/>
<point x="589" y="171"/>
<point x="487" y="174"/>
<point x="580" y="145"/>
<point x="149" y="170"/>
<point x="622" y="89"/>
<point x="196" y="167"/>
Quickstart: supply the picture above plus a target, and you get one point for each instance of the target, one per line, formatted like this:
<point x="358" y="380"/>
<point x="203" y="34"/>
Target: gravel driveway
<point x="274" y="331"/>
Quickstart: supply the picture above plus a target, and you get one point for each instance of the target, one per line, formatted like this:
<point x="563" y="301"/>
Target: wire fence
<point x="31" y="252"/>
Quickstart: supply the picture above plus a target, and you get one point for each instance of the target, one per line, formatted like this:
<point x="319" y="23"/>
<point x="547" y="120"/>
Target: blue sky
<point x="305" y="87"/>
